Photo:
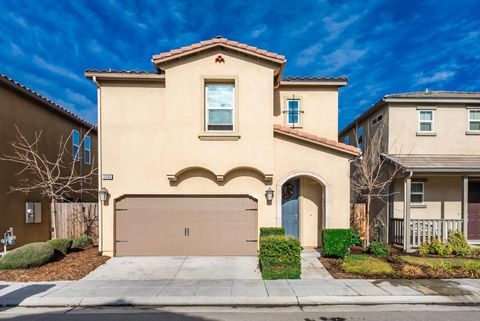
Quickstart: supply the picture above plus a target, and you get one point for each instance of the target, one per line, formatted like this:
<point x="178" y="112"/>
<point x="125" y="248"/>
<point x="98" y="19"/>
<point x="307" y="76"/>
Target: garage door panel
<point x="216" y="225"/>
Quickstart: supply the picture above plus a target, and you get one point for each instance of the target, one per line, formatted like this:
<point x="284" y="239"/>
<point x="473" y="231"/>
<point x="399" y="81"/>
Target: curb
<point x="245" y="301"/>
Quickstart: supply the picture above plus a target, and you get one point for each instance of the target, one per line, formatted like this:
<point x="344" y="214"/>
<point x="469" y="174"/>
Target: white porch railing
<point x="422" y="231"/>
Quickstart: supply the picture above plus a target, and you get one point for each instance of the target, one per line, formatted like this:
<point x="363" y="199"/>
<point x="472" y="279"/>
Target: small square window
<point x="416" y="192"/>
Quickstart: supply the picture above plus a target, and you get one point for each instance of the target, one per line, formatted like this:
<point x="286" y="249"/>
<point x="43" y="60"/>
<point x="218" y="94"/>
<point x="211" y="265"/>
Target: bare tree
<point x="372" y="174"/>
<point x="56" y="177"/>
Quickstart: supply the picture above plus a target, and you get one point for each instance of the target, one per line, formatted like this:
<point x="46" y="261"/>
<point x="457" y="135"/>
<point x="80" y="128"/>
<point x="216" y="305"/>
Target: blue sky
<point x="381" y="46"/>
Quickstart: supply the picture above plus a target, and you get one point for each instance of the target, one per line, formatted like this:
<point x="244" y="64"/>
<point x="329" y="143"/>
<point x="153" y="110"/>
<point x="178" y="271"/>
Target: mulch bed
<point x="74" y="266"/>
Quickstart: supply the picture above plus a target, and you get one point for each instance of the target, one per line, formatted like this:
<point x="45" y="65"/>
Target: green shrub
<point x="424" y="249"/>
<point x="267" y="231"/>
<point x="336" y="242"/>
<point x="439" y="248"/>
<point x="82" y="242"/>
<point x="280" y="257"/>
<point x="475" y="250"/>
<point x="27" y="256"/>
<point x="377" y="248"/>
<point x="62" y="245"/>
<point x="458" y="243"/>
<point x="356" y="240"/>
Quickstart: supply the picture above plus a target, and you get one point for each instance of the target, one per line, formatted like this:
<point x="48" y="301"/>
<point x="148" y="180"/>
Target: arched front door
<point x="290" y="207"/>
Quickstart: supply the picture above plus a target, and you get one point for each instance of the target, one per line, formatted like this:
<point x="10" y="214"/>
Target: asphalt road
<point x="325" y="313"/>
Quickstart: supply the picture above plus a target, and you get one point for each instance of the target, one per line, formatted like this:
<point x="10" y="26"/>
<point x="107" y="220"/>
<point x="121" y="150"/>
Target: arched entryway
<point x="301" y="207"/>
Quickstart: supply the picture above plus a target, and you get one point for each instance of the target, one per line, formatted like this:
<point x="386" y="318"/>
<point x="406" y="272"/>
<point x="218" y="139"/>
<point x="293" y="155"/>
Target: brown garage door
<point x="186" y="225"/>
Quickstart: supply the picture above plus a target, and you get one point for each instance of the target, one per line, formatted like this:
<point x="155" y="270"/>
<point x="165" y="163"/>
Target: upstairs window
<point x="474" y="120"/>
<point x="293" y="112"/>
<point x="87" y="150"/>
<point x="75" y="145"/>
<point x="425" y="121"/>
<point x="346" y="140"/>
<point x="377" y="119"/>
<point x="360" y="139"/>
<point x="416" y="192"/>
<point x="220" y="105"/>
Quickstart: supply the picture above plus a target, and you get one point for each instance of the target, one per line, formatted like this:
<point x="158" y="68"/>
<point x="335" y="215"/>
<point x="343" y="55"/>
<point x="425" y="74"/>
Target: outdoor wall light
<point x="269" y="194"/>
<point x="103" y="194"/>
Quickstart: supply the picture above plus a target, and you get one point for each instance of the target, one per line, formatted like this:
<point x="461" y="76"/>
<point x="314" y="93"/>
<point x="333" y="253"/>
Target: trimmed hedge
<point x="267" y="231"/>
<point x="336" y="242"/>
<point x="62" y="245"/>
<point x="82" y="242"/>
<point x="280" y="257"/>
<point x="28" y="256"/>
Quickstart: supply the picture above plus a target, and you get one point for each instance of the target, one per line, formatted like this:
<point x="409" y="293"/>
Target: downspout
<point x="99" y="157"/>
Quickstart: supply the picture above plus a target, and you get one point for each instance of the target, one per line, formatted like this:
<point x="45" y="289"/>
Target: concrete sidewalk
<point x="86" y="293"/>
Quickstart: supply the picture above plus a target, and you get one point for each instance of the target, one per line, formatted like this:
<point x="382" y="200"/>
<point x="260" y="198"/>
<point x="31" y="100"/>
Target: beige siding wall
<point x="318" y="116"/>
<point x="442" y="194"/>
<point x="450" y="126"/>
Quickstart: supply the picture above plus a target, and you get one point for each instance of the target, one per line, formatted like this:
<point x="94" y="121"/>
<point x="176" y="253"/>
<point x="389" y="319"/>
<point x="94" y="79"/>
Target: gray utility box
<point x="33" y="212"/>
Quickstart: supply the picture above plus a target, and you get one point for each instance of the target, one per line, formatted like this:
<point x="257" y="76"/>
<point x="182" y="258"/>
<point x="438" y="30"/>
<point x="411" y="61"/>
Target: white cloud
<point x="56" y="69"/>
<point x="336" y="27"/>
<point x="439" y="76"/>
<point x="259" y="31"/>
<point x="346" y="55"/>
<point x="15" y="50"/>
<point x="309" y="55"/>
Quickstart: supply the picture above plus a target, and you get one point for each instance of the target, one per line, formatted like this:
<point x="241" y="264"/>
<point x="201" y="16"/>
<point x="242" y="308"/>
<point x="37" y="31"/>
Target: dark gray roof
<point x="316" y="78"/>
<point x="436" y="94"/>
<point x="436" y="163"/>
<point x="44" y="101"/>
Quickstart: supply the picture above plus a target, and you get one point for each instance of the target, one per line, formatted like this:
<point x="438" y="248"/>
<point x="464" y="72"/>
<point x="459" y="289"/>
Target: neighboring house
<point x="434" y="136"/>
<point x="199" y="154"/>
<point x="32" y="113"/>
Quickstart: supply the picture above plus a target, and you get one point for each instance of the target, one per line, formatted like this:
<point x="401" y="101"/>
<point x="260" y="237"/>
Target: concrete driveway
<point x="178" y="268"/>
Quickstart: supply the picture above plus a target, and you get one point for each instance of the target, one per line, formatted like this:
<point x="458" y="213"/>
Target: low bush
<point x="356" y="240"/>
<point x="377" y="248"/>
<point x="424" y="249"/>
<point x="475" y="250"/>
<point x="267" y="231"/>
<point x="458" y="243"/>
<point x="280" y="257"/>
<point x="438" y="248"/>
<point x="62" y="245"/>
<point x="336" y="242"/>
<point x="28" y="256"/>
<point x="82" y="242"/>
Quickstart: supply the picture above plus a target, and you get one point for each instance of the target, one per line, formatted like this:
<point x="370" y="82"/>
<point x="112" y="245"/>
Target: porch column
<point x="406" y="213"/>
<point x="465" y="206"/>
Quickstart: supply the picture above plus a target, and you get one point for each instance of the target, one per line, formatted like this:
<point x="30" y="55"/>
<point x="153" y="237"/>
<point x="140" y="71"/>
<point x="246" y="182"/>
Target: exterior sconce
<point x="103" y="194"/>
<point x="269" y="194"/>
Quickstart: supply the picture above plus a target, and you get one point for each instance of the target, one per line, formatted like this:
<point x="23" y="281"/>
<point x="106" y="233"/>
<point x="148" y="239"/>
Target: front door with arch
<point x="290" y="207"/>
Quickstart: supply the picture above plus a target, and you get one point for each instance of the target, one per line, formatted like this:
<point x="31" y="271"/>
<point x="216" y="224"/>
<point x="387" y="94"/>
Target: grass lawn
<point x="366" y="264"/>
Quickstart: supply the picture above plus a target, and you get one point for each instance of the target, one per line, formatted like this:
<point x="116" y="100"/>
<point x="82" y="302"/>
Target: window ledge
<point x="426" y="134"/>
<point x="418" y="205"/>
<point x="470" y="132"/>
<point x="219" y="137"/>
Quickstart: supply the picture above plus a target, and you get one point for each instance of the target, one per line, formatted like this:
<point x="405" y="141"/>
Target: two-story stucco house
<point x="214" y="144"/>
<point x="434" y="137"/>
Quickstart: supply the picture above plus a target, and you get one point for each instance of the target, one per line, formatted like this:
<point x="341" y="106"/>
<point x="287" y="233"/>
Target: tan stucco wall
<point x="317" y="117"/>
<point x="442" y="194"/>
<point x="149" y="131"/>
<point x="450" y="126"/>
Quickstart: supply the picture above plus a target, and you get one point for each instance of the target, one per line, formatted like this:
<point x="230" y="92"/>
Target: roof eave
<point x="123" y="76"/>
<point x="314" y="83"/>
<point x="363" y="116"/>
<point x="432" y="100"/>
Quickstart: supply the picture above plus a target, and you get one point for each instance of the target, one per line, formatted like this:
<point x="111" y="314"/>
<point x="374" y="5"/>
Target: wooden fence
<point x="70" y="220"/>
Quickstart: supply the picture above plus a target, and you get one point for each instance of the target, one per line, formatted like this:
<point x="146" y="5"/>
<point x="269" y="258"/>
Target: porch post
<point x="406" y="212"/>
<point x="465" y="206"/>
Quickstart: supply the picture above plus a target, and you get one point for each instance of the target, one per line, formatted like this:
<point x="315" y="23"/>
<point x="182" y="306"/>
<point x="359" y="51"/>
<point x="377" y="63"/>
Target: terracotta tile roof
<point x="136" y="72"/>
<point x="45" y="101"/>
<point x="436" y="94"/>
<point x="315" y="78"/>
<point x="217" y="41"/>
<point x="434" y="163"/>
<point x="316" y="139"/>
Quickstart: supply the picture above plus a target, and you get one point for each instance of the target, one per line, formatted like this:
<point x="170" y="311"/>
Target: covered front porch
<point x="433" y="197"/>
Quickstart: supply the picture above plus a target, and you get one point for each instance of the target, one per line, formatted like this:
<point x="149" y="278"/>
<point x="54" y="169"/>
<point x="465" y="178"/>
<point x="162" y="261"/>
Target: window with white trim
<point x="425" y="121"/>
<point x="87" y="157"/>
<point x="75" y="145"/>
<point x="417" y="192"/>
<point x="293" y="112"/>
<point x="474" y="120"/>
<point x="220" y="106"/>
